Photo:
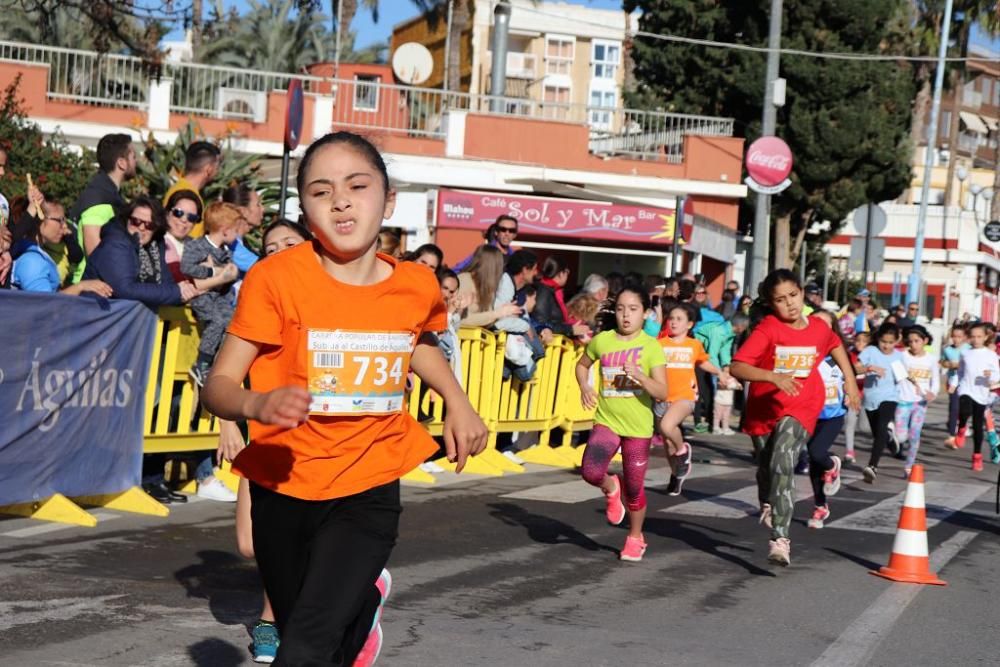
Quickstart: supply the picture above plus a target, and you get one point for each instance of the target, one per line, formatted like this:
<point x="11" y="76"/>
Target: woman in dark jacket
<point x="131" y="257"/>
<point x="550" y="307"/>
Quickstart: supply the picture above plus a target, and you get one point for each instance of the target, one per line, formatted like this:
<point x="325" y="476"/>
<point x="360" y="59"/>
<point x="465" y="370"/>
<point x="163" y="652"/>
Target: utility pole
<point x="761" y="224"/>
<point x="913" y="285"/>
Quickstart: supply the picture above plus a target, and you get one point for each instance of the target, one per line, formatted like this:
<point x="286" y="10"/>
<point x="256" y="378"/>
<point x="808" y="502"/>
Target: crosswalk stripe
<point x="53" y="527"/>
<point x="578" y="491"/>
<point x="942" y="498"/>
<point x="743" y="501"/>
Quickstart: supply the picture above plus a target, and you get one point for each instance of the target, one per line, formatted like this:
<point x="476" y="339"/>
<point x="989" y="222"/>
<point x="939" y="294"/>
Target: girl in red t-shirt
<point x="786" y="395"/>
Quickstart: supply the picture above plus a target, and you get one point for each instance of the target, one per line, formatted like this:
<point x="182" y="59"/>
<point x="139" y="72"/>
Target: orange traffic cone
<point x="909" y="561"/>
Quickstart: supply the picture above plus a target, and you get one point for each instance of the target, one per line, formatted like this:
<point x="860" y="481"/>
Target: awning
<point x="991" y="123"/>
<point x="973" y="122"/>
<point x="711" y="239"/>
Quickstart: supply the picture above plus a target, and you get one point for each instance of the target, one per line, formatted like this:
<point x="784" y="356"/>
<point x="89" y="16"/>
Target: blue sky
<point x="396" y="11"/>
<point x="391" y="12"/>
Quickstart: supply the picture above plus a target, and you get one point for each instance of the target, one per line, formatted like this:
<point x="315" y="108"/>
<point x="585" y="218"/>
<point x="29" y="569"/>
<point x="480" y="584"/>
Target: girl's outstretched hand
<point x="853" y="399"/>
<point x="786" y="383"/>
<point x="464" y="434"/>
<point x="588" y="397"/>
<point x="287" y="407"/>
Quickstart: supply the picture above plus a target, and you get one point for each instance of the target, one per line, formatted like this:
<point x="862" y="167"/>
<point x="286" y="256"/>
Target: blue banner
<point x="73" y="373"/>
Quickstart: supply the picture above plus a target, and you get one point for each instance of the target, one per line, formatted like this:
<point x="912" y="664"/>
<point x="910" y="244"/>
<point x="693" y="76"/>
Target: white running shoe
<point x="780" y="551"/>
<point x="514" y="457"/>
<point x="212" y="488"/>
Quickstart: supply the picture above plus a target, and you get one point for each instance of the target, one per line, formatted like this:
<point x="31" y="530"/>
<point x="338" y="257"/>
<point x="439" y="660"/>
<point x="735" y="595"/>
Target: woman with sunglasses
<point x="131" y="258"/>
<point x="183" y="211"/>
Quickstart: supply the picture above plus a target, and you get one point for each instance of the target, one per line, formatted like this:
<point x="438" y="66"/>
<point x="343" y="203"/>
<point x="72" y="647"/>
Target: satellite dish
<point x="412" y="63"/>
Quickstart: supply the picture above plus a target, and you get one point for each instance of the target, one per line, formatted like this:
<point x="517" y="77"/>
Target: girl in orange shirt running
<point x="328" y="331"/>
<point x="684" y="353"/>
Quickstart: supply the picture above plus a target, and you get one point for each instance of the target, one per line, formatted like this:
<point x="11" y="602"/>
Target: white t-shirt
<point x="977" y="370"/>
<point x="923" y="378"/>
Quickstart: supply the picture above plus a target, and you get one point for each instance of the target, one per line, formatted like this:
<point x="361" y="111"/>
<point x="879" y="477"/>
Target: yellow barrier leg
<point x="133" y="500"/>
<point x="498" y="460"/>
<point x="190" y="487"/>
<point x="57" y="508"/>
<point x="546" y="456"/>
<point x="474" y="465"/>
<point x="419" y="476"/>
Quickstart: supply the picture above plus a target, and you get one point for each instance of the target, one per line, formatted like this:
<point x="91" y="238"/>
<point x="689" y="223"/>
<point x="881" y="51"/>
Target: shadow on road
<point x="681" y="530"/>
<point x="544" y="529"/>
<point x="215" y="653"/>
<point x="231" y="586"/>
<point x="863" y="562"/>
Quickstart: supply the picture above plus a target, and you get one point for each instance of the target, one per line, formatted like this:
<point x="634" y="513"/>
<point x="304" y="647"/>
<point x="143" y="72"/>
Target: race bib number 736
<point x="798" y="361"/>
<point x="357" y="372"/>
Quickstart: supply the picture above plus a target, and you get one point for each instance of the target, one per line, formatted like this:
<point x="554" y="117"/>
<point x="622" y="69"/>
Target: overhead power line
<point x="735" y="46"/>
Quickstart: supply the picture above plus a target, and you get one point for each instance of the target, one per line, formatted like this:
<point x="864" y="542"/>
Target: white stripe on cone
<point x="914" y="496"/>
<point x="910" y="543"/>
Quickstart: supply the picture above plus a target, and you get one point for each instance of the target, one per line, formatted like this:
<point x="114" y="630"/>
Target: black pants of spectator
<point x="319" y="561"/>
<point x="967" y="407"/>
<point x="953" y="400"/>
<point x="879" y="419"/>
<point x="706" y="397"/>
<point x="819" y="446"/>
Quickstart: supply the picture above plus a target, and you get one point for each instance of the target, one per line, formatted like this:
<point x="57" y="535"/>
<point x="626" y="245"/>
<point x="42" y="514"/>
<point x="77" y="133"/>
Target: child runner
<point x="824" y="468"/>
<point x="632" y="375"/>
<point x="683" y="354"/>
<point x="978" y="371"/>
<point x="330" y="436"/>
<point x="922" y="385"/>
<point x="861" y="341"/>
<point x="786" y="395"/>
<point x="883" y="367"/>
<point x="950" y="356"/>
<point x="280" y="235"/>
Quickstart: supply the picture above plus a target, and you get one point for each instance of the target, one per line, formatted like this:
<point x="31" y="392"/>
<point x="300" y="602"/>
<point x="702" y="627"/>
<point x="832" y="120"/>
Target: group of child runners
<point x="320" y="502"/>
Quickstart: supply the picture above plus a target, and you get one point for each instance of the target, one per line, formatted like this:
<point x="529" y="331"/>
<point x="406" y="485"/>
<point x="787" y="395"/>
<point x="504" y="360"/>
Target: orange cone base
<point x="908" y="577"/>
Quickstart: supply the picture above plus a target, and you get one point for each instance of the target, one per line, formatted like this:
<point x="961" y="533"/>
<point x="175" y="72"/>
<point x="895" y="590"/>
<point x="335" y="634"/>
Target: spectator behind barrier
<point x="101" y="202"/>
<point x="36" y="271"/>
<point x="183" y="212"/>
<point x="283" y="234"/>
<point x="131" y="258"/>
<point x="28" y="214"/>
<point x="500" y="235"/>
<point x="596" y="286"/>
<point x="428" y="254"/>
<point x="550" y="307"/>
<point x="202" y="160"/>
<point x="481" y="283"/>
<point x="247" y="200"/>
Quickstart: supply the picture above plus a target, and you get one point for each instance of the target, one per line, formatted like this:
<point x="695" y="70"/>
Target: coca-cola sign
<point x="769" y="162"/>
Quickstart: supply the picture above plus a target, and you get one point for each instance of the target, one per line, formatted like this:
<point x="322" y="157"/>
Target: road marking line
<point x="578" y="491"/>
<point x="942" y="498"/>
<point x="858" y="642"/>
<point x="53" y="527"/>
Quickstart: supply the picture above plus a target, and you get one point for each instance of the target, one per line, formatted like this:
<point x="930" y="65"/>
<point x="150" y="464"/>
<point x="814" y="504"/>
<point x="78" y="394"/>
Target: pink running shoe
<point x="371" y="649"/>
<point x="819" y="515"/>
<point x="615" y="510"/>
<point x="633" y="549"/>
<point x="384" y="586"/>
<point x="779" y="551"/>
<point x="831" y="478"/>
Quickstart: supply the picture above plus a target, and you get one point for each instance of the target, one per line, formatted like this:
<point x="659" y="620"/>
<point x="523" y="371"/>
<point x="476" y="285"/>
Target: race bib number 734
<point x="357" y="372"/>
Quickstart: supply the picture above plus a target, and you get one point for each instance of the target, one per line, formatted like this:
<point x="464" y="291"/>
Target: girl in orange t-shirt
<point x="327" y="331"/>
<point x="683" y="354"/>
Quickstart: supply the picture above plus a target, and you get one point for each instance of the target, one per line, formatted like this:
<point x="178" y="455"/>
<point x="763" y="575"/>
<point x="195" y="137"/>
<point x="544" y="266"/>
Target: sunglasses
<point x="136" y="222"/>
<point x="59" y="220"/>
<point x="507" y="230"/>
<point x="180" y="215"/>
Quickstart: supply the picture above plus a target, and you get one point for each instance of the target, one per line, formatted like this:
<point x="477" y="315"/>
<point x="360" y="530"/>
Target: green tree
<point x="847" y="122"/>
<point x="59" y="171"/>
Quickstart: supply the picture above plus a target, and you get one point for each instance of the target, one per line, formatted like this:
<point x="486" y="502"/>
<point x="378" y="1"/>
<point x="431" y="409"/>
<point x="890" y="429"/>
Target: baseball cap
<point x="864" y="292"/>
<point x="813" y="288"/>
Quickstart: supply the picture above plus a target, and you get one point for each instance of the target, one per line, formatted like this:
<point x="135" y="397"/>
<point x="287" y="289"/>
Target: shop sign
<point x="549" y="216"/>
<point x="768" y="163"/>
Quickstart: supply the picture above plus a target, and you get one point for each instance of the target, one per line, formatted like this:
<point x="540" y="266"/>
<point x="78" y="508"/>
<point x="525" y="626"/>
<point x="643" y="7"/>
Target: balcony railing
<point x="124" y="81"/>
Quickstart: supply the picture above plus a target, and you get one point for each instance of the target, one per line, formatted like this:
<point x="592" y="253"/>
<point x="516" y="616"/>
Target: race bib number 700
<point x="357" y="372"/>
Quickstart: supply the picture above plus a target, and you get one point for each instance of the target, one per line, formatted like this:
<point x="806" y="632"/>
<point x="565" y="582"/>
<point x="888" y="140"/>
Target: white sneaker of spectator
<point x="212" y="488"/>
<point x="514" y="457"/>
<point x="431" y="467"/>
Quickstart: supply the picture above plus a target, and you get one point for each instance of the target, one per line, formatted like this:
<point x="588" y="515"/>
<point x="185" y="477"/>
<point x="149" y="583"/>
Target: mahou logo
<point x="769" y="161"/>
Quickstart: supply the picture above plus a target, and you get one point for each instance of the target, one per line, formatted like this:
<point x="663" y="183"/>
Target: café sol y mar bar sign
<point x="571" y="218"/>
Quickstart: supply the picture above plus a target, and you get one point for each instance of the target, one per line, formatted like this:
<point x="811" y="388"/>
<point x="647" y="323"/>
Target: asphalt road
<point x="523" y="570"/>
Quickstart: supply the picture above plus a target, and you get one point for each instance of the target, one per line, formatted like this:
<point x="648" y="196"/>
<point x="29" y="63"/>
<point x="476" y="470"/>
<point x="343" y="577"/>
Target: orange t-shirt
<point x="682" y="384"/>
<point x="350" y="346"/>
